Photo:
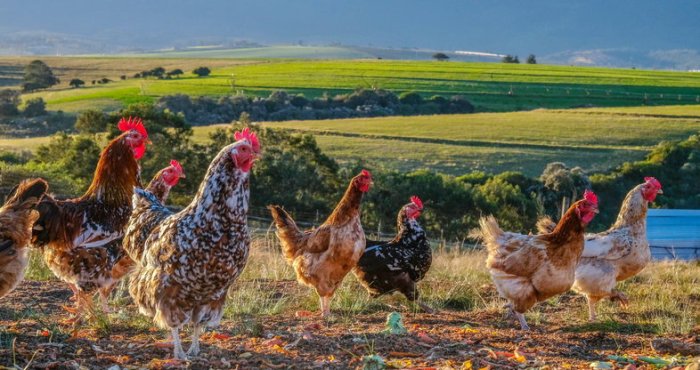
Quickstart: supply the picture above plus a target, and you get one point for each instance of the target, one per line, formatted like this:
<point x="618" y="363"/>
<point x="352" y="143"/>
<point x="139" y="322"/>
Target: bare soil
<point x="34" y="334"/>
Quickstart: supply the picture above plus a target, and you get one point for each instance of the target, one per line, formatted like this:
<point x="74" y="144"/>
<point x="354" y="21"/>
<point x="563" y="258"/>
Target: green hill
<point x="490" y="86"/>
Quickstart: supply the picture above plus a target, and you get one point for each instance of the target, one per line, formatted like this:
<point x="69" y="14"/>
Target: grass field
<point x="266" y="323"/>
<point x="490" y="86"/>
<point x="595" y="139"/>
<point x="495" y="142"/>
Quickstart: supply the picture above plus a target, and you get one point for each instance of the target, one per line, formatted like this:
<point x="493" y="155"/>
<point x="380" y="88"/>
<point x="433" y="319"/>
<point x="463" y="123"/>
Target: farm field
<point x="265" y="325"/>
<point x="489" y="86"/>
<point x="595" y="139"/>
<point x="496" y="142"/>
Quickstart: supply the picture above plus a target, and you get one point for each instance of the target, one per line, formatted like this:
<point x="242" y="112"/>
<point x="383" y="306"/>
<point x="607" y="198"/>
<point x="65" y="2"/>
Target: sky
<point x="516" y="27"/>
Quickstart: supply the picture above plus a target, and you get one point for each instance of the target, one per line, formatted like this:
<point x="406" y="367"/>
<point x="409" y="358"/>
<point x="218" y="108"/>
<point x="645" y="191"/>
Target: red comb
<point x="252" y="138"/>
<point x="590" y="197"/>
<point x="415" y="200"/>
<point x="134" y="123"/>
<point x="365" y="173"/>
<point x="653" y="182"/>
<point x="177" y="165"/>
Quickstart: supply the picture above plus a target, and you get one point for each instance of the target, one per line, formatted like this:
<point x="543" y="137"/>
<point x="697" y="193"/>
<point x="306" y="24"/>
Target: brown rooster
<point x="189" y="259"/>
<point x="76" y="234"/>
<point x="16" y="219"/>
<point x="618" y="253"/>
<point x="527" y="269"/>
<point x="323" y="256"/>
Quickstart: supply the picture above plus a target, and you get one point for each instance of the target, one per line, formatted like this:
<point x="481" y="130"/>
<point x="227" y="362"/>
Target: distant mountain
<point x="677" y="59"/>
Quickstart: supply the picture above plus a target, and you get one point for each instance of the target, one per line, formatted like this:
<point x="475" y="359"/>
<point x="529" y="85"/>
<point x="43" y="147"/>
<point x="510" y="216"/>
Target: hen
<point x="398" y="264"/>
<point x="618" y="253"/>
<point x="160" y="186"/>
<point x="189" y="259"/>
<point x="76" y="235"/>
<point x="16" y="219"/>
<point x="323" y="256"/>
<point x="527" y="269"/>
<point x="142" y="220"/>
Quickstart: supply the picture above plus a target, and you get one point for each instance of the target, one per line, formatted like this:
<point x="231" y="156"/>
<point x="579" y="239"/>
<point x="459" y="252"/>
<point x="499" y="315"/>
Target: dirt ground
<point x="33" y="335"/>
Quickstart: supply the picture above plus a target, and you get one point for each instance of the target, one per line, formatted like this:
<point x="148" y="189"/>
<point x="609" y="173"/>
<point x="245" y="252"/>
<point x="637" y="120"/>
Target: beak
<point x="182" y="176"/>
<point x="148" y="141"/>
<point x="660" y="191"/>
<point x="596" y="211"/>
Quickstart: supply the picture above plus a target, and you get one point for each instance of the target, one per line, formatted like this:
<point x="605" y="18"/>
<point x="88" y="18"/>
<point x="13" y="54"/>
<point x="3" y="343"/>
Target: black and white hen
<point x="398" y="264"/>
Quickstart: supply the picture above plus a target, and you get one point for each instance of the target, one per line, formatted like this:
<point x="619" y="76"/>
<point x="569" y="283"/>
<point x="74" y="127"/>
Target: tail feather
<point x="545" y="225"/>
<point x="287" y="231"/>
<point x="490" y="232"/>
<point x="50" y="226"/>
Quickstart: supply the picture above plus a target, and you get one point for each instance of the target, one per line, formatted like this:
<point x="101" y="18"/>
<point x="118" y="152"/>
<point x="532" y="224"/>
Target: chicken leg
<point x="194" y="347"/>
<point x="178" y="353"/>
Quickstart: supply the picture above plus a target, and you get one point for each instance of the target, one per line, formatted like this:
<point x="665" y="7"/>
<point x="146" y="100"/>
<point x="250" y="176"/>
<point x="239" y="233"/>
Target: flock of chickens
<point x="182" y="264"/>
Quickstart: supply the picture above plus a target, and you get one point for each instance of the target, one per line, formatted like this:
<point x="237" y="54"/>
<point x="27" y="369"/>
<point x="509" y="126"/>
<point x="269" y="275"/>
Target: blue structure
<point x="674" y="233"/>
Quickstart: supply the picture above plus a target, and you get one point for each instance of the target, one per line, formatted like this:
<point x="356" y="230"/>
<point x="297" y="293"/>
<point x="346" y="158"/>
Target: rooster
<point x="16" y="219"/>
<point x="189" y="259"/>
<point x="527" y="269"/>
<point x="323" y="256"/>
<point x="616" y="254"/>
<point x="77" y="235"/>
<point x="398" y="264"/>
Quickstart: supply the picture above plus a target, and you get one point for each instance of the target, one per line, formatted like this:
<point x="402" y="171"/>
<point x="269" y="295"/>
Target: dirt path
<point x="31" y="333"/>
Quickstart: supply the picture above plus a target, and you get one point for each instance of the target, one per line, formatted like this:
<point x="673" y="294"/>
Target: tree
<point x="440" y="57"/>
<point x="510" y="59"/>
<point x="175" y="73"/>
<point x="91" y="122"/>
<point x="37" y="75"/>
<point x="202" y="71"/>
<point x="157" y="72"/>
<point x="9" y="100"/>
<point x="35" y="107"/>
<point x="76" y="83"/>
<point x="531" y="59"/>
<point x="410" y="98"/>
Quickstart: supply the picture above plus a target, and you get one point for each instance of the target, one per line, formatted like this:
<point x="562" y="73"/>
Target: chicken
<point x="77" y="235"/>
<point x="323" y="256"/>
<point x="398" y="264"/>
<point x="189" y="259"/>
<point x="16" y="219"/>
<point x="527" y="269"/>
<point x="159" y="186"/>
<point x="618" y="253"/>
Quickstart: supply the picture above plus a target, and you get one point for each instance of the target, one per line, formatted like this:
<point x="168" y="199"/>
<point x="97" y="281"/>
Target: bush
<point x="9" y="100"/>
<point x="201" y="71"/>
<point x="35" y="107"/>
<point x="411" y="98"/>
<point x="76" y="83"/>
<point x="91" y="122"/>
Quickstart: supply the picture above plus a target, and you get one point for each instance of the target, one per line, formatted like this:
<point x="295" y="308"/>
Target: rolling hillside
<point x="490" y="86"/>
<point x="595" y="139"/>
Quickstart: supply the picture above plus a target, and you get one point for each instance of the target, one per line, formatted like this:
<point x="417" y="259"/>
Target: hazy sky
<point x="517" y="27"/>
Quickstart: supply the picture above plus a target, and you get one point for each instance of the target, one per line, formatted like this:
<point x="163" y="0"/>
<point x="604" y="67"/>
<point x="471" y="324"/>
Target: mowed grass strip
<point x="557" y="129"/>
<point x="460" y="159"/>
